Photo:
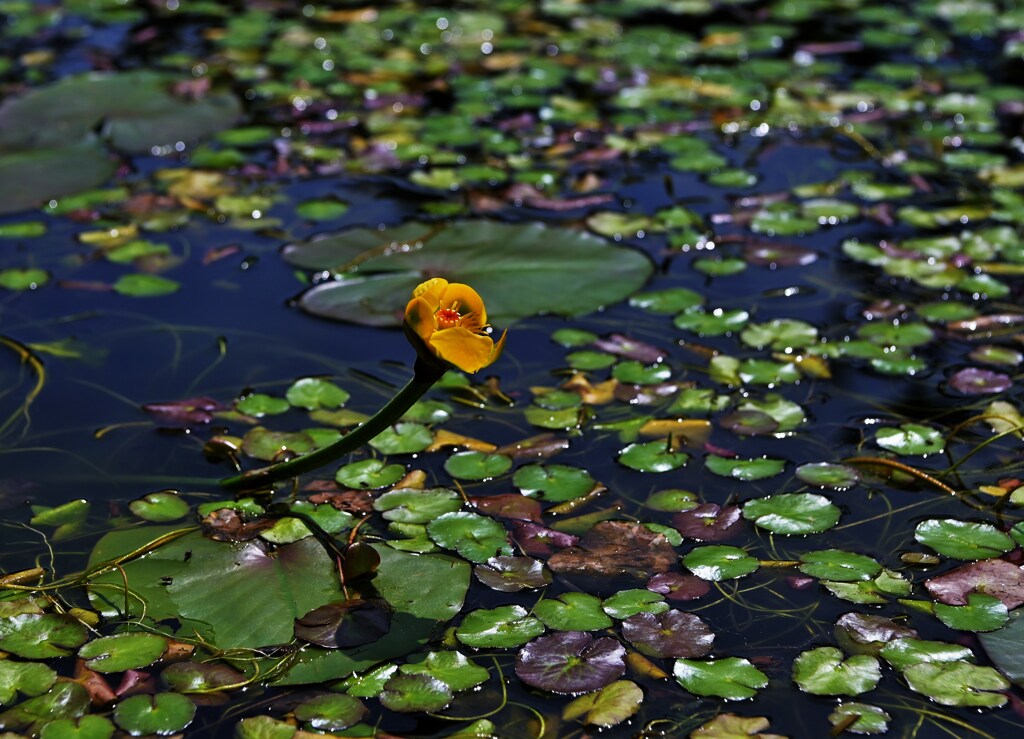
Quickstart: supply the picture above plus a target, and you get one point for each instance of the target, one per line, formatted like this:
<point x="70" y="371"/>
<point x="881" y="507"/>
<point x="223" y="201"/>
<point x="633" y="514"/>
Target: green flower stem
<point x="424" y="377"/>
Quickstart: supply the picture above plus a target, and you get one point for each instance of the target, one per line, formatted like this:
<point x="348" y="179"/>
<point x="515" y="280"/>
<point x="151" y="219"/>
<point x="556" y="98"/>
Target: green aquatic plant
<point x="446" y="322"/>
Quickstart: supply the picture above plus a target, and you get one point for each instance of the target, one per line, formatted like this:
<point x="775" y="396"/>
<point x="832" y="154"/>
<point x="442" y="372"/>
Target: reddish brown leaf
<point x="996" y="577"/>
<point x="616" y="548"/>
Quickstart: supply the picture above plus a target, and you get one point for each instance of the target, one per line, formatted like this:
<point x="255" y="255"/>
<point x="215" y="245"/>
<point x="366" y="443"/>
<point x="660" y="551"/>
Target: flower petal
<point x="469" y="301"/>
<point x="432" y="290"/>
<point x="419" y="316"/>
<point x="463" y="348"/>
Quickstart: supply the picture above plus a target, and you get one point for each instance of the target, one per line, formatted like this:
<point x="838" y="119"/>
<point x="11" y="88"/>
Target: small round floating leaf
<point x="626" y="603"/>
<point x="899" y="335"/>
<point x="671" y="500"/>
<point x="716" y="322"/>
<point x="982" y="613"/>
<point x="477" y="465"/>
<point x="823" y="671"/>
<point x="313" y="393"/>
<point x="978" y="381"/>
<point x="403" y="438"/>
<point x="160" y="507"/>
<point x="835" y="564"/>
<point x="86" y="727"/>
<point x="963" y="539"/>
<point x="409" y="505"/>
<point x="828" y="475"/>
<point x="428" y="412"/>
<point x="587" y="360"/>
<point x="572" y="612"/>
<point x="264" y="727"/>
<point x="719" y="266"/>
<point x="749" y="423"/>
<point x="123" y="652"/>
<point x="609" y="706"/>
<point x="638" y="373"/>
<point x="262" y="443"/>
<point x="164" y="713"/>
<point x="792" y="513"/>
<point x="554" y="482"/>
<point x="670" y="300"/>
<point x="719" y="562"/>
<point x="369" y="474"/>
<point x="501" y="627"/>
<point x="572" y="337"/>
<point x="475" y="537"/>
<point x="652" y="456"/>
<point x="261" y="404"/>
<point x="41" y="635"/>
<point x="184" y="677"/>
<point x="27" y="678"/>
<point x="676" y="586"/>
<point x="145" y="286"/>
<point x="870" y="719"/>
<point x="571" y="662"/>
<point x="731" y="678"/>
<point x="669" y="634"/>
<point x="902" y="653"/>
<point x="332" y="712"/>
<point x="17" y="279"/>
<point x="780" y="334"/>
<point x="744" y="469"/>
<point x="450" y="667"/>
<point x="708" y="522"/>
<point x="958" y="683"/>
<point x="321" y="210"/>
<point x="910" y="438"/>
<point x="413" y="693"/>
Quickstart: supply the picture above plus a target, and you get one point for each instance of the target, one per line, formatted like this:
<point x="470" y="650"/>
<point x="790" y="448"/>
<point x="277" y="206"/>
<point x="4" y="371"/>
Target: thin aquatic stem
<point x="424" y="377"/>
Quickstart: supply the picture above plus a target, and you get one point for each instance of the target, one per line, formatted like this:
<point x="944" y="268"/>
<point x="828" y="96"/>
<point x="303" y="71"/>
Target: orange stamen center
<point x="448" y="317"/>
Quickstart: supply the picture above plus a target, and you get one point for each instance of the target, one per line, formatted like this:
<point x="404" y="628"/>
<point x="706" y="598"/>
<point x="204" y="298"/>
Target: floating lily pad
<point x="910" y="438"/>
<point x="963" y="539"/>
<point x="450" y="667"/>
<point x="978" y="381"/>
<point x="475" y="537"/>
<point x="556" y="483"/>
<point x="835" y="564"/>
<point x="652" y="456"/>
<point x="160" y="507"/>
<point x="330" y="712"/>
<point x="995" y="577"/>
<point x="869" y="719"/>
<point x="744" y="469"/>
<point x="27" y="678"/>
<point x="163" y="713"/>
<point x="671" y="500"/>
<point x="369" y="473"/>
<point x="671" y="633"/>
<point x="65" y="700"/>
<point x="41" y="635"/>
<point x="403" y="438"/>
<point x="719" y="562"/>
<point x="417" y="506"/>
<point x="828" y="475"/>
<point x="627" y="603"/>
<point x="609" y="706"/>
<point x="671" y="300"/>
<point x="981" y="613"/>
<point x="957" y="683"/>
<point x="501" y="627"/>
<point x="122" y="652"/>
<point x="824" y="671"/>
<point x="477" y="465"/>
<point x="792" y="513"/>
<point x="145" y="286"/>
<point x="571" y="662"/>
<point x="731" y="678"/>
<point x="904" y="652"/>
<point x="17" y="279"/>
<point x="585" y="272"/>
<point x="572" y="612"/>
<point x="313" y="393"/>
<point x="708" y="522"/>
<point x="716" y="322"/>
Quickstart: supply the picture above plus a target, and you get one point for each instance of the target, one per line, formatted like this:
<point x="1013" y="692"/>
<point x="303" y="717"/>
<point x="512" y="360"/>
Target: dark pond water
<point x="794" y="418"/>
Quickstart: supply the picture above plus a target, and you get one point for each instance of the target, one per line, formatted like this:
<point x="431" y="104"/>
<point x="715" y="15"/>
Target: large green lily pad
<point x="135" y="112"/>
<point x="513" y="266"/>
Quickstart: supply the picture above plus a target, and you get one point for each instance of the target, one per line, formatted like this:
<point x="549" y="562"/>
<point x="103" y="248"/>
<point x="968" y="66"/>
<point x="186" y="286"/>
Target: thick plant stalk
<point x="424" y="377"/>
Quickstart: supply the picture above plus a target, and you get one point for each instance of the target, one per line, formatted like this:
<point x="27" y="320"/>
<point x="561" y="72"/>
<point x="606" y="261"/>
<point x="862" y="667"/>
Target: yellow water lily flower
<point x="449" y="321"/>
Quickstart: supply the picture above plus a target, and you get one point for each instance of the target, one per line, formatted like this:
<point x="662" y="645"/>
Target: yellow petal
<point x="468" y="300"/>
<point x="431" y="291"/>
<point x="498" y="348"/>
<point x="463" y="348"/>
<point x="419" y="316"/>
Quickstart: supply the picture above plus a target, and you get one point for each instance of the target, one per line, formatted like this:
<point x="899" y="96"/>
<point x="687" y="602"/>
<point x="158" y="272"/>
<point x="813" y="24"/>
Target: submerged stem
<point x="424" y="377"/>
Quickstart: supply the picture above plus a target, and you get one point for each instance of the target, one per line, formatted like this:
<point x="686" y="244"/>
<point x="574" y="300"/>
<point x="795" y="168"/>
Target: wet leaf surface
<point x="668" y="634"/>
<point x="616" y="548"/>
<point x="570" y="662"/>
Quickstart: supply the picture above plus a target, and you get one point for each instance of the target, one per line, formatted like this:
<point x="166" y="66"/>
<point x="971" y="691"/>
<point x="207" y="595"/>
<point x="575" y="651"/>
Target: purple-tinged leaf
<point x="571" y="662"/>
<point x="669" y="634"/>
